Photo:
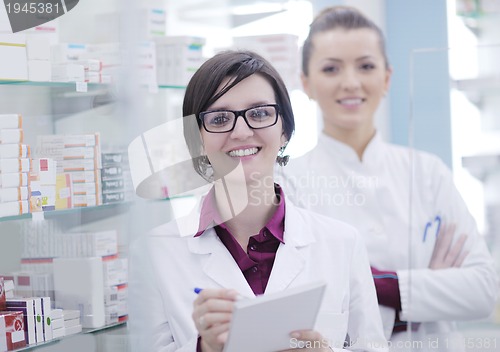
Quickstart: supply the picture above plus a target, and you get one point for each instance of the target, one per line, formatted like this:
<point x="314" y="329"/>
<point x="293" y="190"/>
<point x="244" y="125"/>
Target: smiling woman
<point x="248" y="242"/>
<point x="251" y="141"/>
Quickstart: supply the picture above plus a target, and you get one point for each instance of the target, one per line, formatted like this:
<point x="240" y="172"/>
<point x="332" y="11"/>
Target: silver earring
<point x="204" y="163"/>
<point x="281" y="159"/>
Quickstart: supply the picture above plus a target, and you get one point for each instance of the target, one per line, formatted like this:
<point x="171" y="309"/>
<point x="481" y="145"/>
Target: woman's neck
<point x="245" y="207"/>
<point x="357" y="139"/>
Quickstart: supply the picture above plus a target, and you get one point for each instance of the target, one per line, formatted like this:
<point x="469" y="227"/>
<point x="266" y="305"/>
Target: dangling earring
<point x="204" y="164"/>
<point x="281" y="159"/>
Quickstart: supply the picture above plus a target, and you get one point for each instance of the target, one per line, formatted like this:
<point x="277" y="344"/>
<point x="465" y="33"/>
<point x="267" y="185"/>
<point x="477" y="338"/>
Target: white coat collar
<point x="344" y="153"/>
<point x="220" y="266"/>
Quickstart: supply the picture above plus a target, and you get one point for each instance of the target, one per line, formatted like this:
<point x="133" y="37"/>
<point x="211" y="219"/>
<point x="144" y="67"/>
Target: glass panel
<point x="454" y="115"/>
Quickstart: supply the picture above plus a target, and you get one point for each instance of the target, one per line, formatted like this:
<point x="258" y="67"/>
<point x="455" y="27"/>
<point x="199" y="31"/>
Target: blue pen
<point x="198" y="290"/>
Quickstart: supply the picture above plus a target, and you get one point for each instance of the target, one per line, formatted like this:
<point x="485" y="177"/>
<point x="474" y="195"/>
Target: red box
<point x="12" y="325"/>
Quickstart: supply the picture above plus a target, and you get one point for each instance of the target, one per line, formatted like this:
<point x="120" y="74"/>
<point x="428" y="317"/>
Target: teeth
<point x="243" y="152"/>
<point x="351" y="101"/>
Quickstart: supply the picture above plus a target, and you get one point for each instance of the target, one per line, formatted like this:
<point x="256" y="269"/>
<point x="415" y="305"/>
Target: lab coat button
<point x="255" y="269"/>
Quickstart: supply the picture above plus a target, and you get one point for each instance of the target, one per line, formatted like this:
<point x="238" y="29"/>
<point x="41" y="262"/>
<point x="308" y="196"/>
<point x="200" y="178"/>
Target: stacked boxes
<point x="69" y="244"/>
<point x="72" y="322"/>
<point x="57" y="322"/>
<point x="35" y="312"/>
<point x="146" y="61"/>
<point x="151" y="22"/>
<point x="177" y="59"/>
<point x="282" y="50"/>
<point x="43" y="185"/>
<point x="26" y="55"/>
<point x="99" y="291"/>
<point x="110" y="56"/>
<point x="115" y="275"/>
<point x="89" y="70"/>
<point x="69" y="63"/>
<point x="38" y="53"/>
<point x="154" y="20"/>
<point x="27" y="307"/>
<point x="11" y="323"/>
<point x="66" y="66"/>
<point x="36" y="276"/>
<point x="92" y="70"/>
<point x="36" y="257"/>
<point x="43" y="243"/>
<point x="22" y="320"/>
<point x="78" y="62"/>
<point x="14" y="59"/>
<point x="15" y="165"/>
<point x="80" y="157"/>
<point x="65" y="322"/>
<point x="116" y="179"/>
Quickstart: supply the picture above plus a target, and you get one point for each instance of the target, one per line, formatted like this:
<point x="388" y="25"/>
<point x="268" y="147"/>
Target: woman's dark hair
<point x="343" y="17"/>
<point x="201" y="92"/>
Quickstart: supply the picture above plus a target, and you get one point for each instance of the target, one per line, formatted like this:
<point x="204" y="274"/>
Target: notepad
<point x="264" y="323"/>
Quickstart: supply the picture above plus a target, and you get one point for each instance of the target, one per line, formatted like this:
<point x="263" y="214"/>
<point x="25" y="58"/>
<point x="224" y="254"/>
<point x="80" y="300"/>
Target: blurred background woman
<point x="354" y="176"/>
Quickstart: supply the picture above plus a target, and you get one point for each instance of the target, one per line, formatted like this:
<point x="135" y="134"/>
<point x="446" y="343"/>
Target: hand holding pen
<point x="212" y="312"/>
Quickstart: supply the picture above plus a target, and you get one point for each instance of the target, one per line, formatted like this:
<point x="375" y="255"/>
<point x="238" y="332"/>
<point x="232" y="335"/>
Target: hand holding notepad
<point x="264" y="323"/>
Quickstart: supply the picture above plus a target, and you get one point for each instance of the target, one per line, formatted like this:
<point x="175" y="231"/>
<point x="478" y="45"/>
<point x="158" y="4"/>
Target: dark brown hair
<point x="202" y="88"/>
<point x="343" y="17"/>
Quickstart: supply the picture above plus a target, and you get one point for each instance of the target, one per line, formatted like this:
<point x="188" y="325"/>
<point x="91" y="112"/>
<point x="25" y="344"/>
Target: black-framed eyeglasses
<point x="257" y="117"/>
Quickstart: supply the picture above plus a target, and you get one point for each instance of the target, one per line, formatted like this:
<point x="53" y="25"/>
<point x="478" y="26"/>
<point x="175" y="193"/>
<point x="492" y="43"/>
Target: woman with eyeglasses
<point x="429" y="263"/>
<point x="250" y="240"/>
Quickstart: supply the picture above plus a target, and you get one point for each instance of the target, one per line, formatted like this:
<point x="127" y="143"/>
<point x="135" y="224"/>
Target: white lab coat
<point x="165" y="268"/>
<point x="375" y="196"/>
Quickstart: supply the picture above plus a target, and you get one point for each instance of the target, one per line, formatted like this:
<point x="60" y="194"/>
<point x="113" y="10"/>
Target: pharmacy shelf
<point x="481" y="84"/>
<point x="48" y="84"/>
<point x="480" y="166"/>
<point x="106" y="327"/>
<point x="39" y="345"/>
<point x="477" y="88"/>
<point x="171" y="87"/>
<point x="478" y="22"/>
<point x="102" y="210"/>
<point x="93" y="213"/>
<point x="71" y="84"/>
<point x="84" y="331"/>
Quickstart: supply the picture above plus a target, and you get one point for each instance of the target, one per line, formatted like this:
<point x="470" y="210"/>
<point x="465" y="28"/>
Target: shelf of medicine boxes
<point x="84" y="331"/>
<point x="94" y="212"/>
